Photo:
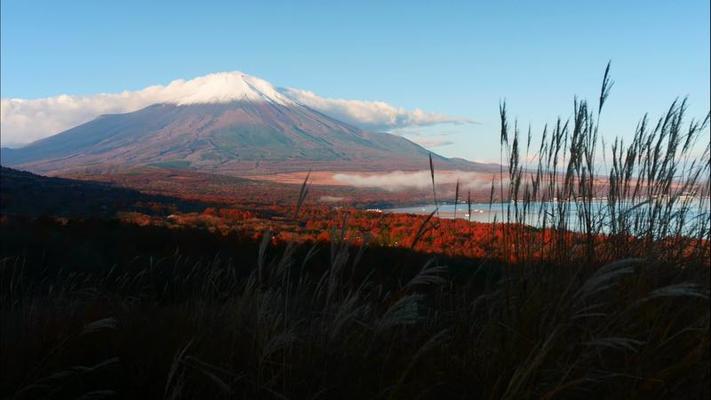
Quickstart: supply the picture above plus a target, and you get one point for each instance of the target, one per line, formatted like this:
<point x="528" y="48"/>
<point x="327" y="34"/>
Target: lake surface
<point x="485" y="212"/>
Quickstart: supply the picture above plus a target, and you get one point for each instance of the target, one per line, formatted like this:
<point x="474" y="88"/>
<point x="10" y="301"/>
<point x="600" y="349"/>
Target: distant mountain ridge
<point x="233" y="125"/>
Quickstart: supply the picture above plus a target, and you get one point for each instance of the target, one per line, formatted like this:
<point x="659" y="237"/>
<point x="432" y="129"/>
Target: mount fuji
<point x="225" y="123"/>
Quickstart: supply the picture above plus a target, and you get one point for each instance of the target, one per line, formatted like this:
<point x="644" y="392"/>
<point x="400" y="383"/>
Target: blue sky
<point x="456" y="58"/>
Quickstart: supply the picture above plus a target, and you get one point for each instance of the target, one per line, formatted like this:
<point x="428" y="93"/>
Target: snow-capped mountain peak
<point x="223" y="87"/>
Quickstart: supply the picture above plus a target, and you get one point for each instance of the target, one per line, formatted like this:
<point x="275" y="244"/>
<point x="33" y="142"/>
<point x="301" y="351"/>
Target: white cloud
<point x="375" y="115"/>
<point x="23" y="121"/>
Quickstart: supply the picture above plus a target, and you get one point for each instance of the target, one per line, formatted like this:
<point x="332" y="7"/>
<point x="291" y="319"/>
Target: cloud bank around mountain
<point x="23" y="121"/>
<point x="374" y="115"/>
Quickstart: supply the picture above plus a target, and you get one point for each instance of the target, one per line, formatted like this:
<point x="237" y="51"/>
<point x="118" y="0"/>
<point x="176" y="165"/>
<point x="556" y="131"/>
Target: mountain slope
<point x="236" y="125"/>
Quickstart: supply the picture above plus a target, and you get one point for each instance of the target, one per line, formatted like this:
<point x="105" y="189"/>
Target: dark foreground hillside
<point x="101" y="309"/>
<point x="24" y="193"/>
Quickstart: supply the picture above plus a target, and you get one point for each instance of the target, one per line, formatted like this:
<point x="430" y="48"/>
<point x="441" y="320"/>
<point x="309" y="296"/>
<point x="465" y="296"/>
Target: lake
<point x="485" y="212"/>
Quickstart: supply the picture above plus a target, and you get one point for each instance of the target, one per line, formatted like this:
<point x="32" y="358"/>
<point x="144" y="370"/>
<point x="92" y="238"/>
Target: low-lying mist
<point x="420" y="180"/>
